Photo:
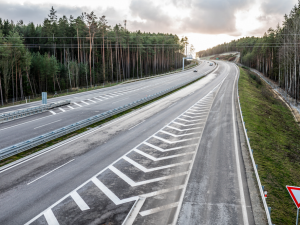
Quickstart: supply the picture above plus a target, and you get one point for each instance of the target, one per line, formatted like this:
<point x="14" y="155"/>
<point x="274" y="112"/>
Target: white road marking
<point x="162" y="158"/>
<point x="146" y="170"/>
<point x="134" y="184"/>
<point x="91" y="100"/>
<point x="174" y="128"/>
<point x="50" y="172"/>
<point x="79" y="201"/>
<point x="186" y="125"/>
<point x="52" y="112"/>
<point x="70" y="107"/>
<point x="85" y="102"/>
<point x="50" y="218"/>
<point x="170" y="142"/>
<point x="77" y="104"/>
<point x="136" y="125"/>
<point x="110" y="194"/>
<point x="179" y="135"/>
<point x="158" y="209"/>
<point x="241" y="187"/>
<point x="98" y="99"/>
<point x="46" y="124"/>
<point x="168" y="149"/>
<point x="62" y="110"/>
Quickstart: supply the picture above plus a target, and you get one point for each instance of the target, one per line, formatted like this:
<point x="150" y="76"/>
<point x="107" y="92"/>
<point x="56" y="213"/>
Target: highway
<point x="174" y="161"/>
<point x="87" y="104"/>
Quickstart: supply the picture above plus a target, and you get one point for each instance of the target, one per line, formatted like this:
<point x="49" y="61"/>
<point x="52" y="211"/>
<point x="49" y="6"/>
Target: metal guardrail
<point x="23" y="146"/>
<point x="6" y="117"/>
<point x="253" y="161"/>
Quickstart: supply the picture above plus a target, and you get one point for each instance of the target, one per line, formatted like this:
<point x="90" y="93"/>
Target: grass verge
<point x="57" y="140"/>
<point x="274" y="137"/>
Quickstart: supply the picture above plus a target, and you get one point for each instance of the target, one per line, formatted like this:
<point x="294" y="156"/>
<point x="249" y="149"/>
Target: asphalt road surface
<point x="176" y="160"/>
<point x="85" y="105"/>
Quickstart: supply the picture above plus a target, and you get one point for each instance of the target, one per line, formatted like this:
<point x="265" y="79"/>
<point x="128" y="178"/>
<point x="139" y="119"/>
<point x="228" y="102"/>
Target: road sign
<point x="295" y="194"/>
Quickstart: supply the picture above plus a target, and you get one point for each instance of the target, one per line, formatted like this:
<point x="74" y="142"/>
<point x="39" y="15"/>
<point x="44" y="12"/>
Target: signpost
<point x="295" y="194"/>
<point x="44" y="98"/>
<point x="188" y="57"/>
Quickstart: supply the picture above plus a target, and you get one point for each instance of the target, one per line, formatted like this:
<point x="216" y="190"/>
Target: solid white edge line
<point x="137" y="125"/>
<point x="241" y="187"/>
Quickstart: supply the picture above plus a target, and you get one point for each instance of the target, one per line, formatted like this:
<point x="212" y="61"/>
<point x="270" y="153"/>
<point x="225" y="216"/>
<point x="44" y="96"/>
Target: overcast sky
<point x="205" y="22"/>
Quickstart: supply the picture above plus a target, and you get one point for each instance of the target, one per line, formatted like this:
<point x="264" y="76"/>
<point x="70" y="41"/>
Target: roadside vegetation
<point x="275" y="139"/>
<point x="276" y="54"/>
<point x="68" y="53"/>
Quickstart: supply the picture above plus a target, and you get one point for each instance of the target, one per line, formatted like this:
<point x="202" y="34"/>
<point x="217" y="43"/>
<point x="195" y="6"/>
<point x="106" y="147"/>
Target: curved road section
<point x="175" y="161"/>
<point x="85" y="105"/>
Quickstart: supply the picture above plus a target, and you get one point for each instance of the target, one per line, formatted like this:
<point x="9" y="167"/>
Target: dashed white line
<point x="50" y="172"/>
<point x="46" y="124"/>
<point x="91" y="100"/>
<point x="70" y="107"/>
<point x="52" y="112"/>
<point x="62" y="110"/>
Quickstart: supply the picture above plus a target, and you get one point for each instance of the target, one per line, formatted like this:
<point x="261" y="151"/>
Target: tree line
<point x="276" y="54"/>
<point x="68" y="53"/>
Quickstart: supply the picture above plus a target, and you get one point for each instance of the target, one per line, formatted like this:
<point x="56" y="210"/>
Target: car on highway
<point x="210" y="64"/>
<point x="195" y="70"/>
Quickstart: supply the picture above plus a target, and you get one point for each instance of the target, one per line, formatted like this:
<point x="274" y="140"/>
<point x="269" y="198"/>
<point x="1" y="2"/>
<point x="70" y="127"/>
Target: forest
<point x="67" y="53"/>
<point x="276" y="54"/>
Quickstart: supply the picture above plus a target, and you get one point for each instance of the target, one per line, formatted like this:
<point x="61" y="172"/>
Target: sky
<point x="206" y="23"/>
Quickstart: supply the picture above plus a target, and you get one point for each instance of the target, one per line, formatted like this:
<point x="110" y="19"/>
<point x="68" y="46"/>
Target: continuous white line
<point x="62" y="110"/>
<point x="46" y="124"/>
<point x="77" y="104"/>
<point x="50" y="172"/>
<point x="179" y="135"/>
<point x="162" y="158"/>
<point x="146" y="170"/>
<point x="134" y="184"/>
<point x="158" y="209"/>
<point x="79" y="201"/>
<point x="241" y="187"/>
<point x="188" y="120"/>
<point x="192" y="116"/>
<point x="181" y="124"/>
<point x="183" y="129"/>
<point x="168" y="149"/>
<point x="50" y="218"/>
<point x="52" y="112"/>
<point x="136" y="125"/>
<point x="171" y="142"/>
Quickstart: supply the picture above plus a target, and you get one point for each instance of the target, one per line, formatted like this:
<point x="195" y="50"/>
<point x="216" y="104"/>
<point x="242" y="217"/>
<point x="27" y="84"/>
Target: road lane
<point x="152" y="160"/>
<point x="217" y="190"/>
<point x="23" y="129"/>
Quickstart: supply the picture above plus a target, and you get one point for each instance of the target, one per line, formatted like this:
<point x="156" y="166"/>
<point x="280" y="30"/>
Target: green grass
<point x="275" y="138"/>
<point x="57" y="140"/>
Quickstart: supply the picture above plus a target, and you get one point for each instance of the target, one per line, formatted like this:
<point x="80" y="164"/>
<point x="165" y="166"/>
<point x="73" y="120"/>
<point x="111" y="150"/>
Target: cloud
<point x="36" y="13"/>
<point x="206" y="17"/>
<point x="277" y="7"/>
